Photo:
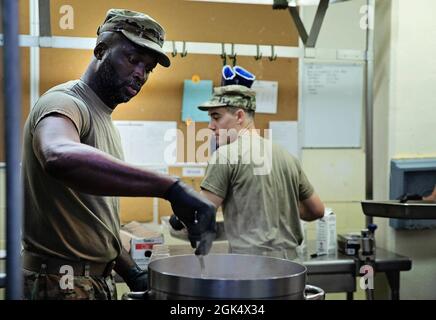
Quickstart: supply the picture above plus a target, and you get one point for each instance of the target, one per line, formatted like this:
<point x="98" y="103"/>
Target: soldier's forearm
<point x="89" y="170"/>
<point x="124" y="263"/>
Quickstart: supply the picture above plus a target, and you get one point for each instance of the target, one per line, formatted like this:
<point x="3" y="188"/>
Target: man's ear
<point x="240" y="116"/>
<point x="99" y="50"/>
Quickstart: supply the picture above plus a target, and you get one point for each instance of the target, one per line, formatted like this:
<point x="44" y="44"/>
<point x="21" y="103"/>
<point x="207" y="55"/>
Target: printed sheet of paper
<point x="266" y="96"/>
<point x="148" y="143"/>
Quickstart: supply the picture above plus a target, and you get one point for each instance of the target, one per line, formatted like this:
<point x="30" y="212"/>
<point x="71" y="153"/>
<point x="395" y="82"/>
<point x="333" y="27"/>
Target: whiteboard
<point x="148" y="143"/>
<point x="331" y="104"/>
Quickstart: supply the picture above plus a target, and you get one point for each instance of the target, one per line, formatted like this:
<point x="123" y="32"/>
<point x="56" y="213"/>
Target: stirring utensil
<point x="202" y="266"/>
<point x="200" y="258"/>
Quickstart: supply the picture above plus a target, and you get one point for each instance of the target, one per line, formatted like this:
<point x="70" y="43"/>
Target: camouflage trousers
<point x="41" y="286"/>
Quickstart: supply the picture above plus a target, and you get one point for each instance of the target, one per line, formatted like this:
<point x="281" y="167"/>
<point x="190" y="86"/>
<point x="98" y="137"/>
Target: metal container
<point x="227" y="276"/>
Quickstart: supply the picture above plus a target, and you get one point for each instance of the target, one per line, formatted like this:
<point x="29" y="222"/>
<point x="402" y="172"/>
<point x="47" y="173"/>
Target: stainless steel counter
<point x="332" y="273"/>
<point x="338" y="272"/>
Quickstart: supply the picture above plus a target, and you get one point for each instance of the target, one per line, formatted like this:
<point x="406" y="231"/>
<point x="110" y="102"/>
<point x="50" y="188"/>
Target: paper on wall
<point x="148" y="142"/>
<point x="266" y="96"/>
<point x="195" y="93"/>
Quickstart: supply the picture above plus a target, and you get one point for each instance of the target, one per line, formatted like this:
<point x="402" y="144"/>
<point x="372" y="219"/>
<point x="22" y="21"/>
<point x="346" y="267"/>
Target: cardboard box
<point x="349" y="244"/>
<point x="139" y="242"/>
<point x="326" y="242"/>
<point x="142" y="250"/>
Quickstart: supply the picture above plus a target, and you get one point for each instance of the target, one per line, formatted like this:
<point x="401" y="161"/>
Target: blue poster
<point x="194" y="94"/>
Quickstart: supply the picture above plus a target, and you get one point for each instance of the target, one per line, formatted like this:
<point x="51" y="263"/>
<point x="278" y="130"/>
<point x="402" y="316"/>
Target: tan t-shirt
<point x="60" y="221"/>
<point x="261" y="185"/>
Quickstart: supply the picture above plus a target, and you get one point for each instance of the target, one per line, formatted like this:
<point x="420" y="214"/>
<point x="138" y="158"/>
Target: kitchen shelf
<point x="398" y="210"/>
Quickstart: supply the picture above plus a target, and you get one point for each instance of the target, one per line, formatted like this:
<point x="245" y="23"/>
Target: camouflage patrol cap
<point x="231" y="96"/>
<point x="139" y="28"/>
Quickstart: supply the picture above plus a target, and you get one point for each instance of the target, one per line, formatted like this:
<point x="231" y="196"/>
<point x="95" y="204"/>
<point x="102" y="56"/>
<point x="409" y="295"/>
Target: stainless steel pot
<point x="227" y="276"/>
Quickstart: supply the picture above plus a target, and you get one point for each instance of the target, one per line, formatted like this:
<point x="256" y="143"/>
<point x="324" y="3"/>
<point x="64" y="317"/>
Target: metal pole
<point x="34" y="52"/>
<point x="369" y="152"/>
<point x="299" y="24"/>
<point x="12" y="102"/>
<point x="317" y="23"/>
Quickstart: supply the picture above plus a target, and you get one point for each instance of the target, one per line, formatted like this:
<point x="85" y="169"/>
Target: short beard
<point x="110" y="86"/>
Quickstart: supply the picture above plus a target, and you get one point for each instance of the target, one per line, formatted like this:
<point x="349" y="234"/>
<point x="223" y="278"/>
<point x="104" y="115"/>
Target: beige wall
<point x="341" y="27"/>
<point x="413" y="80"/>
<point x="338" y="175"/>
<point x="404" y="126"/>
<point x="404" y="113"/>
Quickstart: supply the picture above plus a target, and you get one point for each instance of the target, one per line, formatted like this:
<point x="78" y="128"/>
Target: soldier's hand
<point x="410" y="197"/>
<point x="137" y="279"/>
<point x="204" y="240"/>
<point x="196" y="213"/>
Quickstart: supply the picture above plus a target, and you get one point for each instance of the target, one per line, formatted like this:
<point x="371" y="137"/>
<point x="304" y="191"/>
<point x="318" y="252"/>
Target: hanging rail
<point x="253" y="50"/>
<point x="190" y="47"/>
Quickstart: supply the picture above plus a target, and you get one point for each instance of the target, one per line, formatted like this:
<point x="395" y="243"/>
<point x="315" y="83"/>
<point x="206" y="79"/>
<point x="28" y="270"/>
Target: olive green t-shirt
<point x="261" y="185"/>
<point x="58" y="220"/>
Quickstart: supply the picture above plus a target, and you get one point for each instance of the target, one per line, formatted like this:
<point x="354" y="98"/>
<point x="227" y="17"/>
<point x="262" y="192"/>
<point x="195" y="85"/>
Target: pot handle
<point x="140" y="295"/>
<point x="313" y="293"/>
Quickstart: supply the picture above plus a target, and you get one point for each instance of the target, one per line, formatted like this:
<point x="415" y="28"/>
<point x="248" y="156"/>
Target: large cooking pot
<point x="227" y="276"/>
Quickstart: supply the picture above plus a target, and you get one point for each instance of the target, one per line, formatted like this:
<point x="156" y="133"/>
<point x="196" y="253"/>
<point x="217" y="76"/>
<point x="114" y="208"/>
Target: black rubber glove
<point x="196" y="213"/>
<point x="136" y="279"/>
<point x="175" y="223"/>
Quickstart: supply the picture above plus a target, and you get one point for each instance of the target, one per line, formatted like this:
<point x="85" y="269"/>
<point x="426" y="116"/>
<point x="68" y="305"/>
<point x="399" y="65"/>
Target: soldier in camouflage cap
<point x="261" y="188"/>
<point x="71" y="235"/>
<point x="231" y="110"/>
<point x="139" y="28"/>
<point x="129" y="46"/>
<point x="236" y="96"/>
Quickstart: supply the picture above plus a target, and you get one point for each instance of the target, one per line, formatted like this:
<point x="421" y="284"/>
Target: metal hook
<point x="273" y="55"/>
<point x="223" y="54"/>
<point x="174" y="53"/>
<point x="184" y="52"/>
<point x="232" y="56"/>
<point x="258" y="55"/>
